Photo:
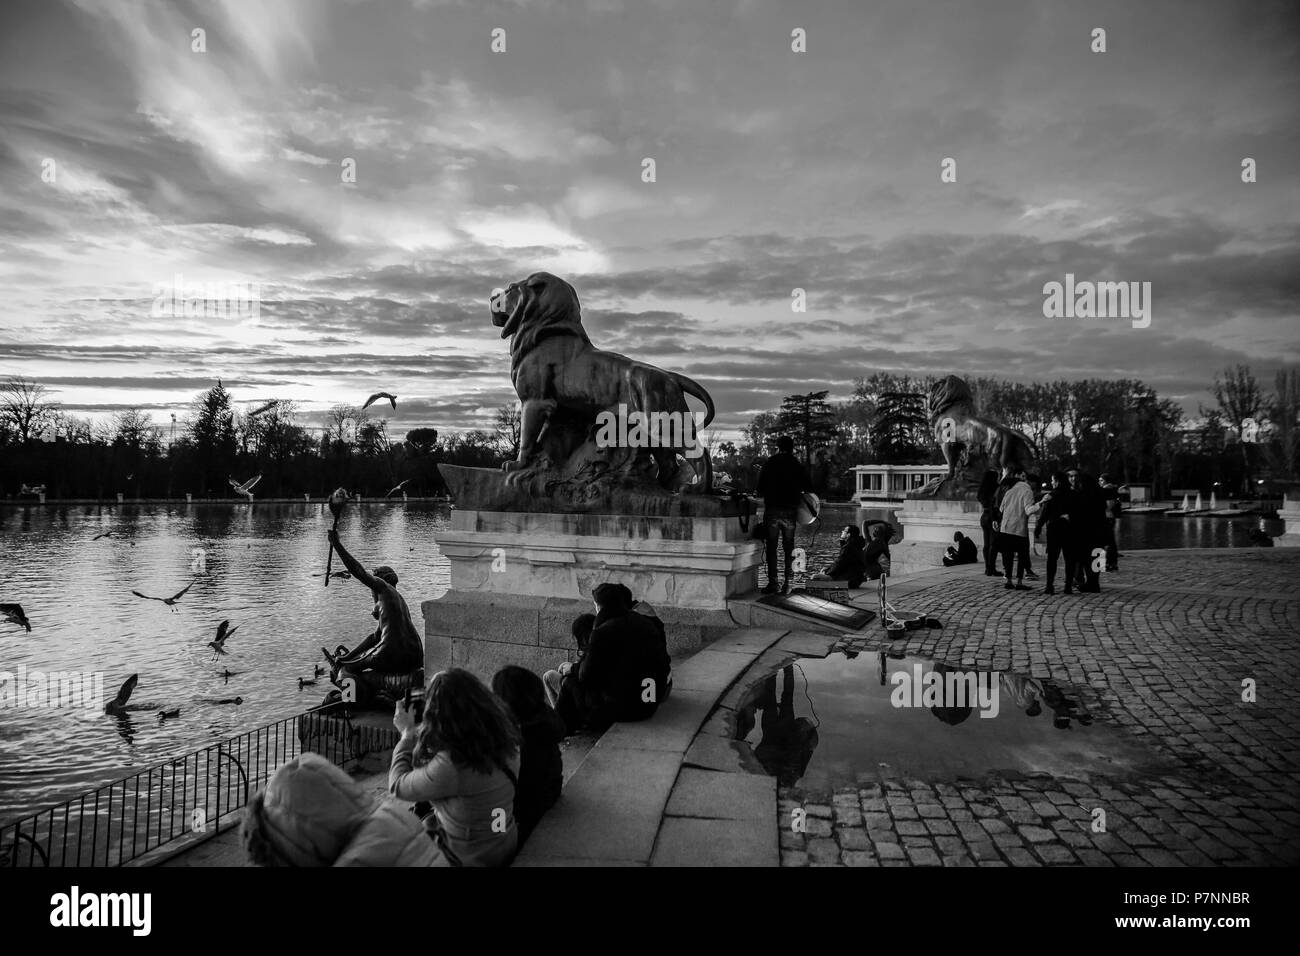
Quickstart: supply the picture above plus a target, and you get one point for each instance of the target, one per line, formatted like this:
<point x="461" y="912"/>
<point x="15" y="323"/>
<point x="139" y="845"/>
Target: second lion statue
<point x="564" y="381"/>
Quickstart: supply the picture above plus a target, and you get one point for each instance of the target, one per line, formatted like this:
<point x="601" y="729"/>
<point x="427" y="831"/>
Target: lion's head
<point x="541" y="299"/>
<point x="947" y="392"/>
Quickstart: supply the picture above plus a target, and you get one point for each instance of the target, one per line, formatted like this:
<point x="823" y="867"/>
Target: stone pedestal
<point x="1290" y="513"/>
<point x="928" y="527"/>
<point x="519" y="580"/>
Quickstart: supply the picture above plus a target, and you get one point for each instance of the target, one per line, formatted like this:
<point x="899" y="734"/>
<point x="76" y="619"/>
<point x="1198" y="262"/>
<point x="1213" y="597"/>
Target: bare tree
<point x="1239" y="398"/>
<point x="506" y="427"/>
<point x="70" y="428"/>
<point x="1285" y="415"/>
<point x="133" y="428"/>
<point x="25" y="408"/>
<point x="343" y="424"/>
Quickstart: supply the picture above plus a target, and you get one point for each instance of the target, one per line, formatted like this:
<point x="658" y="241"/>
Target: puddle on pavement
<point x="823" y="723"/>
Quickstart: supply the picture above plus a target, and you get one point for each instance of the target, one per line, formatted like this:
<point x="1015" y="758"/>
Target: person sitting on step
<point x="851" y="563"/>
<point x="962" y="551"/>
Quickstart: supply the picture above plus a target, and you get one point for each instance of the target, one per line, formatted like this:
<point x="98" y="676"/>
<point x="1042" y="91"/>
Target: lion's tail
<point x="692" y="387"/>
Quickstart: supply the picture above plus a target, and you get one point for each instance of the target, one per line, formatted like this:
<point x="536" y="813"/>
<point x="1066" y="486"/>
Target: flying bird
<point x="224" y="630"/>
<point x="14" y="614"/>
<point x="169" y="601"/>
<point x="399" y="487"/>
<point x="119" y="704"/>
<point x="392" y="399"/>
<point x="246" y="488"/>
<point x="102" y="534"/>
<point x="265" y="408"/>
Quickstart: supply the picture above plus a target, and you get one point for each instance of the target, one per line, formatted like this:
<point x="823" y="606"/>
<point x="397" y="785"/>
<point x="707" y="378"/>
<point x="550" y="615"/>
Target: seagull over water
<point x="102" y="534"/>
<point x="246" y="488"/>
<point x="14" y="614"/>
<point x="224" y="630"/>
<point x="399" y="487"/>
<point x="169" y="601"/>
<point x="392" y="399"/>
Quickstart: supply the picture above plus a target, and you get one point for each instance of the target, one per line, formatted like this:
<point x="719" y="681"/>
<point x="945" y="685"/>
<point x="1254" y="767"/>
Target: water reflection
<point x="863" y="717"/>
<point x="787" y="741"/>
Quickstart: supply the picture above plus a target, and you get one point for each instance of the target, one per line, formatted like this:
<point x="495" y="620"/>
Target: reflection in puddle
<point x="860" y="717"/>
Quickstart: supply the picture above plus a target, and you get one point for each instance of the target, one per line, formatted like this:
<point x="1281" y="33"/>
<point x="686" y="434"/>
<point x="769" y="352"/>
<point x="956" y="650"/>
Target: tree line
<point x="199" y="452"/>
<point x="1121" y="427"/>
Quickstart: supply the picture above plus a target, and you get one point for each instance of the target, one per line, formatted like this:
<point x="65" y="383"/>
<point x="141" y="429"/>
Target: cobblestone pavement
<point x="1162" y="653"/>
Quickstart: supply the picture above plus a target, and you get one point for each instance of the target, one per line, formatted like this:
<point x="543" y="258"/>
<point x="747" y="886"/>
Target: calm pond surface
<point x="257" y="572"/>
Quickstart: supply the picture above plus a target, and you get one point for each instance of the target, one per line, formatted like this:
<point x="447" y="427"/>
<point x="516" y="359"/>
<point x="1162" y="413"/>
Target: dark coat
<point x="608" y="683"/>
<point x="541" y="769"/>
<point x="1053" y="514"/>
<point x="851" y="564"/>
<point x="783" y="481"/>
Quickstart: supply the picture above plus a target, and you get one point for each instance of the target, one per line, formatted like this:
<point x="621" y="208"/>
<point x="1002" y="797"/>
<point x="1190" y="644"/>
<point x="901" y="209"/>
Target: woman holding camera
<point x="467" y="750"/>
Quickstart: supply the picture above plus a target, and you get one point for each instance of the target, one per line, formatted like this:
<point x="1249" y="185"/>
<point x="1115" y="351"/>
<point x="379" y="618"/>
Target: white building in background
<point x="886" y="486"/>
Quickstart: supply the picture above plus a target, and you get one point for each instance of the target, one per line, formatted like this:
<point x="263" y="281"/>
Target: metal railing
<point x="123" y="820"/>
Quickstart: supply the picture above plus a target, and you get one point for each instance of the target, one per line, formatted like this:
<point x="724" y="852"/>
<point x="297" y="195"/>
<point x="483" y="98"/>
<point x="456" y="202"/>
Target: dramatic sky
<point x="775" y="170"/>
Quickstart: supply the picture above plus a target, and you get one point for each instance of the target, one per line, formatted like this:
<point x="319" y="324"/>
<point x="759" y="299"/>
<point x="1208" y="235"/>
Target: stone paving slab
<point x="748" y="641"/>
<point x="611" y="808"/>
<point x="709" y="671"/>
<point x="684" y="841"/>
<point x="712" y="752"/>
<point x="570" y="861"/>
<point x="672" y="728"/>
<point x="807" y="644"/>
<point x="722" y="796"/>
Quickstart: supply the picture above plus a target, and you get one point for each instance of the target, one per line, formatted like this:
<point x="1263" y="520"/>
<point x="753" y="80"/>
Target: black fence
<point x="189" y="797"/>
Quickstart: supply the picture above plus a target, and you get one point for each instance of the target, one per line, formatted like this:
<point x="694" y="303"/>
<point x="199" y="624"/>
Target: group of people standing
<point x="1078" y="515"/>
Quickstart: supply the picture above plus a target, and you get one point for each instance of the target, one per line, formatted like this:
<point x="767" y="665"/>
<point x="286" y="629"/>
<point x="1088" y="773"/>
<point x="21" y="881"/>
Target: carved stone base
<point x="928" y="527"/>
<point x="519" y="580"/>
<point x="1290" y="513"/>
<point x="491" y="490"/>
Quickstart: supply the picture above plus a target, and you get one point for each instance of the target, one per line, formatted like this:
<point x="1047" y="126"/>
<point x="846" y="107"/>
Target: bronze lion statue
<point x="972" y="444"/>
<point x="564" y="383"/>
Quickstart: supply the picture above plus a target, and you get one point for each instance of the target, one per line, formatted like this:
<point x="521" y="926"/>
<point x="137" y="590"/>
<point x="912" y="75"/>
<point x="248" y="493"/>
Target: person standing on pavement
<point x="988" y="489"/>
<point x="1089" y="529"/>
<point x="1111" y="495"/>
<point x="1013" y="529"/>
<point x="781" y="484"/>
<point x="1054" y="517"/>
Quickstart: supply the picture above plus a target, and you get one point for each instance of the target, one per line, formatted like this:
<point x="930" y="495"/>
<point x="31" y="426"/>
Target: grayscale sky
<point x="775" y="170"/>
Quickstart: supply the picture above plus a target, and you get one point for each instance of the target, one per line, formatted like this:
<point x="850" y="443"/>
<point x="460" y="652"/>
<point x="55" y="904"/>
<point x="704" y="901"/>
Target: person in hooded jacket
<point x="625" y="672"/>
<point x="312" y="813"/>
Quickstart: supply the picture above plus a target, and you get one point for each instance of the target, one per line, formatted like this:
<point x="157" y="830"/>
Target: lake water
<point x="257" y="572"/>
<point x="258" y="567"/>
